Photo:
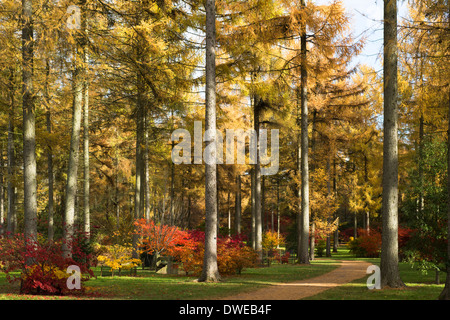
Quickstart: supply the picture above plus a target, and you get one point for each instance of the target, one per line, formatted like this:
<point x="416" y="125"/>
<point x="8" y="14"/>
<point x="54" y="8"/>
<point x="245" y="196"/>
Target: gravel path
<point x="347" y="272"/>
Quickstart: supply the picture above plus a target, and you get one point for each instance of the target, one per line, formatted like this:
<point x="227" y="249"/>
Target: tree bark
<point x="253" y="210"/>
<point x="172" y="191"/>
<point x="11" y="221"/>
<point x="29" y="135"/>
<point x="50" y="231"/>
<point x="86" y="182"/>
<point x="146" y="172"/>
<point x="390" y="276"/>
<point x="237" y="213"/>
<point x="312" y="242"/>
<point x="210" y="271"/>
<point x="74" y="152"/>
<point x="229" y="214"/>
<point x="258" y="189"/>
<point x="138" y="163"/>
<point x="303" y="256"/>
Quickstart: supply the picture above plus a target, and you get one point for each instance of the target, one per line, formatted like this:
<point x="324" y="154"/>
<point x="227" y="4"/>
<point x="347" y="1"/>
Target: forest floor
<point x="347" y="272"/>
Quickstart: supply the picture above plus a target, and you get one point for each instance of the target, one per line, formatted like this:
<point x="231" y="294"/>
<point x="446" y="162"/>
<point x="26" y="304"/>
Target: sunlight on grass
<point x="148" y="285"/>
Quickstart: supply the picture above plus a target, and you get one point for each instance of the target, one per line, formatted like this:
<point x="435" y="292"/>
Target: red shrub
<point x="367" y="244"/>
<point x="42" y="264"/>
<point x="232" y="254"/>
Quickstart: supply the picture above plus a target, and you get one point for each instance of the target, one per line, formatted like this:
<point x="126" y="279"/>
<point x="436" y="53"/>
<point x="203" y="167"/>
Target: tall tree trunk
<point x="139" y="153"/>
<point x="278" y="209"/>
<point x="237" y="207"/>
<point x="303" y="256"/>
<point x="366" y="180"/>
<point x="336" y="232"/>
<point x="172" y="191"/>
<point x="86" y="182"/>
<point x="229" y="214"/>
<point x="29" y="153"/>
<point x="312" y="242"/>
<point x="421" y="134"/>
<point x="390" y="276"/>
<point x="11" y="162"/>
<point x="258" y="190"/>
<point x="299" y="173"/>
<point x="253" y="203"/>
<point x="48" y="120"/>
<point x="74" y="152"/>
<point x="29" y="136"/>
<point x="210" y="271"/>
<point x="263" y="204"/>
<point x="328" y="246"/>
<point x="116" y="191"/>
<point x="146" y="173"/>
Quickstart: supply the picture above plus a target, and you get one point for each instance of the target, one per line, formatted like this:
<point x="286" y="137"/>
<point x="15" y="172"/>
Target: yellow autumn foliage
<point x="118" y="257"/>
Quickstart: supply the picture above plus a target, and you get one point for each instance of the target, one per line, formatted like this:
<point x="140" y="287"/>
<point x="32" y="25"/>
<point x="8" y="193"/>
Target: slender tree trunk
<point x="312" y="242"/>
<point x="146" y="173"/>
<point x="116" y="191"/>
<point x="258" y="189"/>
<point x="51" y="231"/>
<point x="278" y="209"/>
<point x="86" y="182"/>
<point x="304" y="234"/>
<point x="366" y="213"/>
<point x="210" y="271"/>
<point x="390" y="276"/>
<point x="263" y="205"/>
<point x="328" y="247"/>
<point x="29" y="136"/>
<point x="139" y="152"/>
<point x="172" y="191"/>
<point x="253" y="222"/>
<point x="421" y="134"/>
<point x="299" y="173"/>
<point x="237" y="214"/>
<point x="336" y="232"/>
<point x="229" y="214"/>
<point x="74" y="152"/>
<point x="11" y="162"/>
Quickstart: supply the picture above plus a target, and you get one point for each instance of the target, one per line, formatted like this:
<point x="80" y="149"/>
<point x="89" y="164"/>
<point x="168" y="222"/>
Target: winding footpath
<point x="347" y="272"/>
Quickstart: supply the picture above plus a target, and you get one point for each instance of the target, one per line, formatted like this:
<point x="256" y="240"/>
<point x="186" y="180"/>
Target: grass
<point x="419" y="286"/>
<point x="150" y="286"/>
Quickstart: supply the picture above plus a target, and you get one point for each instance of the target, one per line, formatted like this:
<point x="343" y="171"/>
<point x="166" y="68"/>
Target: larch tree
<point x="390" y="276"/>
<point x="210" y="270"/>
<point x="29" y="123"/>
<point x="86" y="168"/>
<point x="303" y="256"/>
<point x="78" y="76"/>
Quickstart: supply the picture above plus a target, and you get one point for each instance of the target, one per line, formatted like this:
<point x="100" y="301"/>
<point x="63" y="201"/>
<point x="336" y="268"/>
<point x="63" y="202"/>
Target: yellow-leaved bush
<point x="117" y="257"/>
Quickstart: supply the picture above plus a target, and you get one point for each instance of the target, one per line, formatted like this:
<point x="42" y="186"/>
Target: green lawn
<point x="150" y="286"/>
<point x="419" y="286"/>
